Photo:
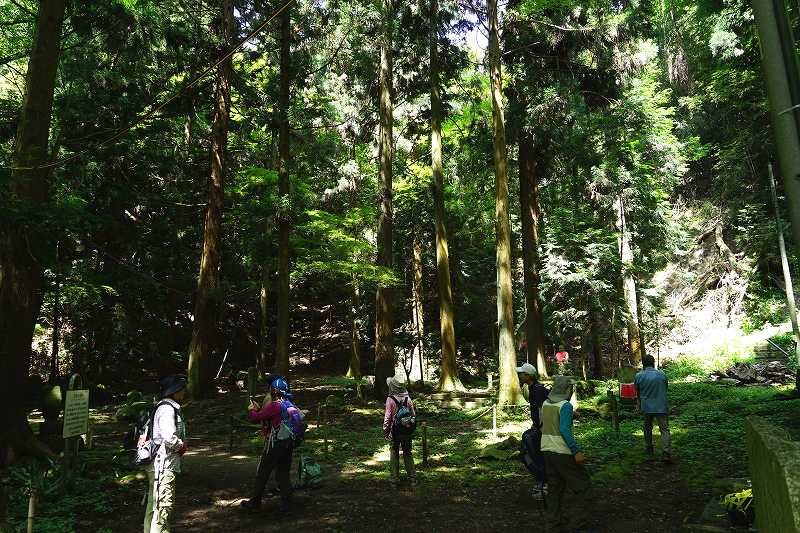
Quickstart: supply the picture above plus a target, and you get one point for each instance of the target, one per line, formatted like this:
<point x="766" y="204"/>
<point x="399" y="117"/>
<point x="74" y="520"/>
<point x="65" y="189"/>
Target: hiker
<point x="278" y="446"/>
<point x="537" y="393"/>
<point x="169" y="433"/>
<point x="563" y="461"/>
<point x="651" y="387"/>
<point x="399" y="422"/>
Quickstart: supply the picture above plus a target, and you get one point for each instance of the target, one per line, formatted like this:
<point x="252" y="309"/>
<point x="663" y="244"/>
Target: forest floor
<point x="458" y="490"/>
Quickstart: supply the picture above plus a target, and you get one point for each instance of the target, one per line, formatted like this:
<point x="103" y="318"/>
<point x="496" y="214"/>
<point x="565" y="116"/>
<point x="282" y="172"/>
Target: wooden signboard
<point x="76" y="413"/>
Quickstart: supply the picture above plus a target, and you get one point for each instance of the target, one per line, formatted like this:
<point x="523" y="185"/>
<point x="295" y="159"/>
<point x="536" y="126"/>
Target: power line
<point x="172" y="97"/>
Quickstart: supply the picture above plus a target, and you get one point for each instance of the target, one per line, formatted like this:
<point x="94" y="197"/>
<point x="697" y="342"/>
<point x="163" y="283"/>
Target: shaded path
<point x="651" y="499"/>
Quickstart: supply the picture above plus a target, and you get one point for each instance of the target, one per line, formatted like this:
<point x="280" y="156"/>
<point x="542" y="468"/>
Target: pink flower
<point x="562" y="357"/>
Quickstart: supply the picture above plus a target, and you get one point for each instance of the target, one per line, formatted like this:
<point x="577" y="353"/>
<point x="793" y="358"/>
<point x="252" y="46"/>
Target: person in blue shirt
<point x="651" y="387"/>
<point x="563" y="461"/>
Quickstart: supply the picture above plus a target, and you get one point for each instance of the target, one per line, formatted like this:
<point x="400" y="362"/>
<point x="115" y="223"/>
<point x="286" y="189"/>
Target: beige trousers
<point x="160" y="497"/>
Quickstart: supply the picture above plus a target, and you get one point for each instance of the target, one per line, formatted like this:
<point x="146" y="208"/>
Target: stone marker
<point x="774" y="461"/>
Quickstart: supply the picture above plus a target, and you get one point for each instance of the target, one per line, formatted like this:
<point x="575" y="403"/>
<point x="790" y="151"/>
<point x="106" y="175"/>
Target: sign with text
<point x="76" y="413"/>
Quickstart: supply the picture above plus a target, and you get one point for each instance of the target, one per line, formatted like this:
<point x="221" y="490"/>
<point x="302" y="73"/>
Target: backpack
<point x="404" y="423"/>
<point x="309" y="473"/>
<point x="139" y="439"/>
<point x="530" y="453"/>
<point x="292" y="424"/>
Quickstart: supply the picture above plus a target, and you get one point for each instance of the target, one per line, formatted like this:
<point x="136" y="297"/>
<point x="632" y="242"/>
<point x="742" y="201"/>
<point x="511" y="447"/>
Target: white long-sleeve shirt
<point x="169" y="431"/>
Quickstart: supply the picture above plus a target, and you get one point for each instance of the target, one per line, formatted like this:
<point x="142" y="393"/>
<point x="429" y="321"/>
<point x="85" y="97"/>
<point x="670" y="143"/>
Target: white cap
<point x="528" y="368"/>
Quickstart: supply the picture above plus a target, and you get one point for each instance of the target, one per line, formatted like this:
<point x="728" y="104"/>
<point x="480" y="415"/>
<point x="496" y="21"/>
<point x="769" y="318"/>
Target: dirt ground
<point x="651" y="499"/>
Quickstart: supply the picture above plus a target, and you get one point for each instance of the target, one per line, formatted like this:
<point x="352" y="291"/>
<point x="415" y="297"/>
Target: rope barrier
<point x="164" y="103"/>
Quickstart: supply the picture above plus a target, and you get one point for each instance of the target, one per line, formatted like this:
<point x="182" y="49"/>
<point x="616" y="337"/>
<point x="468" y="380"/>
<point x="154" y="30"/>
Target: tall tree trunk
<point x="208" y="299"/>
<point x="22" y="245"/>
<point x="509" y="389"/>
<point x="384" y="319"/>
<point x="629" y="284"/>
<point x="282" y="334"/>
<point x="262" y="362"/>
<point x="417" y="313"/>
<point x="354" y="369"/>
<point x="787" y="274"/>
<point x="56" y="320"/>
<point x="448" y="370"/>
<point x="594" y="335"/>
<point x="531" y="228"/>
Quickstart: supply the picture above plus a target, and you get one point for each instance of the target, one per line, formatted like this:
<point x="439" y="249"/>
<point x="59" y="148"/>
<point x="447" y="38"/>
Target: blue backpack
<point x="292" y="424"/>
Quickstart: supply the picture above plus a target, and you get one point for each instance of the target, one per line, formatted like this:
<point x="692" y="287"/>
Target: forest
<point x="343" y="192"/>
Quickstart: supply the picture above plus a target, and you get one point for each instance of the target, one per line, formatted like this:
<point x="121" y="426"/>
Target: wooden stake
<point x="489" y="381"/>
<point x="494" y="421"/>
<point x="31" y="509"/>
<point x="425" y="444"/>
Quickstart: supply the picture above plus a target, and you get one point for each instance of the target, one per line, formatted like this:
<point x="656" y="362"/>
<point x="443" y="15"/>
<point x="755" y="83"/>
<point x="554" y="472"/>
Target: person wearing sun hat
<point x="169" y="432"/>
<point x="537" y="393"/>
<point x="563" y="460"/>
<point x="398" y="398"/>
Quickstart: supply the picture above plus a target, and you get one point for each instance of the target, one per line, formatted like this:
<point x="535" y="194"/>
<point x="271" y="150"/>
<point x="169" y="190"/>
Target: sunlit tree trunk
<point x="417" y="313"/>
<point x="209" y="299"/>
<point x="629" y="284"/>
<point x="384" y="319"/>
<point x="22" y="246"/>
<point x="354" y="369"/>
<point x="531" y="225"/>
<point x="448" y="371"/>
<point x="282" y="333"/>
<point x="509" y="390"/>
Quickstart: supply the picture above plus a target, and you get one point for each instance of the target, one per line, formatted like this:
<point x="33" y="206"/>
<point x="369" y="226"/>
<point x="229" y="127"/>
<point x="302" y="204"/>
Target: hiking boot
<point x="250" y="505"/>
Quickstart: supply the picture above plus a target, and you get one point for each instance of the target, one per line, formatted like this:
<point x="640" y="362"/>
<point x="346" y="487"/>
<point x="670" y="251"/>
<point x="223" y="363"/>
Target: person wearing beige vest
<point x="563" y="461"/>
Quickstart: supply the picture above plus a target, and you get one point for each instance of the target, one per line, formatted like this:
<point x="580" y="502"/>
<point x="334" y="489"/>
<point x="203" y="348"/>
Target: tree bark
<point x="629" y="284"/>
<point x="509" y="389"/>
<point x="209" y="299"/>
<point x="384" y="335"/>
<point x="22" y="245"/>
<point x="787" y="273"/>
<point x="417" y="312"/>
<point x="448" y="370"/>
<point x="56" y="318"/>
<point x="594" y="335"/>
<point x="262" y="362"/>
<point x="354" y="369"/>
<point x="282" y="333"/>
<point x="531" y="231"/>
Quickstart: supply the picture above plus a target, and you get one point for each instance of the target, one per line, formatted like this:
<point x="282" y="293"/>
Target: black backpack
<point x="404" y="423"/>
<point x="530" y="453"/>
<point x="138" y="441"/>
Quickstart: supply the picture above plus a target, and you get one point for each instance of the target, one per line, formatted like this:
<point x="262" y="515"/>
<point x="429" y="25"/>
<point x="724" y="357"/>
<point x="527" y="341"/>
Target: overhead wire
<point x="258" y="29"/>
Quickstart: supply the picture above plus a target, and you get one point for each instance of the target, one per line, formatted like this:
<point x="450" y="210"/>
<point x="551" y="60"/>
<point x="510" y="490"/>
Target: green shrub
<point x="682" y="367"/>
<point x="762" y="311"/>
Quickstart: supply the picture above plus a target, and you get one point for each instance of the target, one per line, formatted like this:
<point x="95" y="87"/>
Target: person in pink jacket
<point x="399" y="422"/>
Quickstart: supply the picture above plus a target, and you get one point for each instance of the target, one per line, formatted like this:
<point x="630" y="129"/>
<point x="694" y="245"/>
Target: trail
<point x="651" y="499"/>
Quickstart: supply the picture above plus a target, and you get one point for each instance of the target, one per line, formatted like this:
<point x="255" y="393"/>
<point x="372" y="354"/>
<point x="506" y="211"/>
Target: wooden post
<point x="494" y="421"/>
<point x="71" y="443"/>
<point x="489" y="381"/>
<point x="31" y="509"/>
<point x="252" y="381"/>
<point x="425" y="444"/>
<point x="325" y="433"/>
<point x="613" y="408"/>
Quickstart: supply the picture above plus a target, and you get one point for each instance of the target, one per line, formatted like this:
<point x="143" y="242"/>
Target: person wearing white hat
<point x="537" y="393"/>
